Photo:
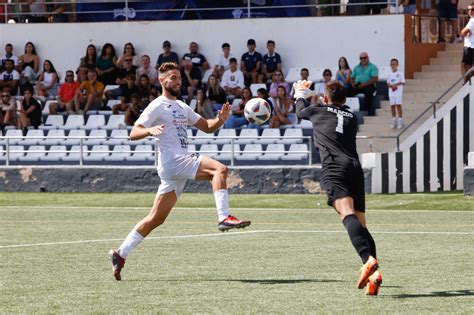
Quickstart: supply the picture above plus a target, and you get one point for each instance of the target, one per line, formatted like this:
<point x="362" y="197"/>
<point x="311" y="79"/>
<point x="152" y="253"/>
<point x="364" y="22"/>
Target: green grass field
<point x="295" y="258"/>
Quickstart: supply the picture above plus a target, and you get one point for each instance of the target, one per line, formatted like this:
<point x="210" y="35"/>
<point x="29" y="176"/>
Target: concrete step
<point x="450" y="53"/>
<point x="447" y="60"/>
<point x="446" y="75"/>
<point x="437" y="68"/>
<point x="457" y="46"/>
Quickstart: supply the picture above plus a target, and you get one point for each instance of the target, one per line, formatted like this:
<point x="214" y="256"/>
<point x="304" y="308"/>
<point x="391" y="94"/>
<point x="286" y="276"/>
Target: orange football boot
<point x="366" y="271"/>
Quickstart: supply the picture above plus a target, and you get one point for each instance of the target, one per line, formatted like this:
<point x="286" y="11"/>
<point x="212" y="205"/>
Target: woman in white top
<point x="283" y="109"/>
<point x="128" y="50"/>
<point x="47" y="85"/>
<point x="29" y="64"/>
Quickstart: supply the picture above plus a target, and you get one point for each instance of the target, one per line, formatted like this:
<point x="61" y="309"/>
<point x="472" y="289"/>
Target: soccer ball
<point x="257" y="111"/>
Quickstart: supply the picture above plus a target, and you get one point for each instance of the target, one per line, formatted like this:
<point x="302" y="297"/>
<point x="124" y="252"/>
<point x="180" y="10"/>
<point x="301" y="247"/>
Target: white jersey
<point x="394" y="78"/>
<point x="233" y="79"/>
<point x="175" y="116"/>
<point x="469" y="40"/>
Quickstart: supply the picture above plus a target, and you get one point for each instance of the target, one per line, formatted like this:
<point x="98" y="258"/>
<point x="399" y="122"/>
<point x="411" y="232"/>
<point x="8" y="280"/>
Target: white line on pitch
<point x="232" y="234"/>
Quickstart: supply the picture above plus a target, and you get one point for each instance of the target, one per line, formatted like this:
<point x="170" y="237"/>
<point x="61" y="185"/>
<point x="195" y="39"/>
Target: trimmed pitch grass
<point x="295" y="258"/>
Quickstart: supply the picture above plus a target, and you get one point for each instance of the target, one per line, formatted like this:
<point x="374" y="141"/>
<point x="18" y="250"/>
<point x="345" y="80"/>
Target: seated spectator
<point x="128" y="51"/>
<point x="87" y="62"/>
<point x="203" y="105"/>
<point x="65" y="96"/>
<point x="277" y="81"/>
<point x="263" y="94"/>
<point x="144" y="89"/>
<point x="145" y="68"/>
<point x="215" y="93"/>
<point x="105" y="65"/>
<point x="90" y="93"/>
<point x="7" y="110"/>
<point x="29" y="64"/>
<point x="190" y="79"/>
<point x="282" y="107"/>
<point x="126" y="91"/>
<point x="30" y="112"/>
<point x="196" y="58"/>
<point x="8" y="56"/>
<point x="121" y="78"/>
<point x="233" y="80"/>
<point x="344" y="73"/>
<point x="9" y="77"/>
<point x="363" y="80"/>
<point x="134" y="110"/>
<point x="154" y="93"/>
<point x="237" y="119"/>
<point x="167" y="55"/>
<point x="319" y="88"/>
<point x="47" y="85"/>
<point x="270" y="63"/>
<point x="223" y="63"/>
<point x="251" y="63"/>
<point x="304" y="75"/>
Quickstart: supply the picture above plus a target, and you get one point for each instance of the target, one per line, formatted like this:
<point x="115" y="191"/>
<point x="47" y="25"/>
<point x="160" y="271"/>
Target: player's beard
<point x="175" y="91"/>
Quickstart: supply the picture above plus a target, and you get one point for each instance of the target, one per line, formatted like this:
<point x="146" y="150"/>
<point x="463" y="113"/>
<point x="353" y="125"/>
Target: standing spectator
<point x="37" y="10"/>
<point x="89" y="94"/>
<point x="468" y="33"/>
<point x="58" y="14"/>
<point x="196" y="58"/>
<point x="282" y="107"/>
<point x="233" y="79"/>
<point x="87" y="62"/>
<point x="128" y="51"/>
<point x="271" y="62"/>
<point x="48" y="79"/>
<point x="144" y="89"/>
<point x="7" y="110"/>
<point x="223" y="63"/>
<point x="448" y="11"/>
<point x="251" y="63"/>
<point x="190" y="79"/>
<point x="395" y="82"/>
<point x="215" y="93"/>
<point x="126" y="91"/>
<point x="9" y="77"/>
<point x="167" y="55"/>
<point x="343" y="75"/>
<point x="121" y="77"/>
<point x="278" y="80"/>
<point x="105" y="65"/>
<point x="30" y="112"/>
<point x="148" y="70"/>
<point x="66" y="94"/>
<point x="319" y="88"/>
<point x="8" y="56"/>
<point x="203" y="105"/>
<point x="134" y="110"/>
<point x="409" y="6"/>
<point x="363" y="80"/>
<point x="29" y="64"/>
<point x="237" y="119"/>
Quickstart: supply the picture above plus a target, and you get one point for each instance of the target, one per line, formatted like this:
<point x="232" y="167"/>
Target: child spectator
<point x="167" y="55"/>
<point x="223" y="63"/>
<point x="233" y="79"/>
<point x="128" y="50"/>
<point x="89" y="94"/>
<point x="87" y="62"/>
<point x="47" y="85"/>
<point x="237" y="119"/>
<point x="134" y="110"/>
<point x="66" y="94"/>
<point x="344" y="73"/>
<point x="145" y="68"/>
<point x="30" y="112"/>
<point x="215" y="93"/>
<point x="9" y="77"/>
<point x="105" y="65"/>
<point x="8" y="56"/>
<point x="282" y="107"/>
<point x="277" y="81"/>
<point x="395" y="82"/>
<point x="7" y="110"/>
<point x="271" y="62"/>
<point x="251" y="63"/>
<point x="29" y="64"/>
<point x="203" y="105"/>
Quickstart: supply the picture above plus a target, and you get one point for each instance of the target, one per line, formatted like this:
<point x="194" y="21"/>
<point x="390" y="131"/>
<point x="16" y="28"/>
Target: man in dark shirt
<point x="167" y="55"/>
<point x="126" y="90"/>
<point x="190" y="79"/>
<point x="196" y="58"/>
<point x="271" y="62"/>
<point x="251" y="63"/>
<point x="335" y="129"/>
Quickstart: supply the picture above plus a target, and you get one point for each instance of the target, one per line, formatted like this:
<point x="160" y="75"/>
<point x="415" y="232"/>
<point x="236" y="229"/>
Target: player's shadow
<point x="283" y="281"/>
<point x="451" y="293"/>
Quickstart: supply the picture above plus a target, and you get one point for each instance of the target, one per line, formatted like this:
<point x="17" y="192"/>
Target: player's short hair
<point x="225" y="45"/>
<point x="251" y="42"/>
<point x="9" y="45"/>
<point x="232" y="60"/>
<point x="167" y="66"/>
<point x="304" y="69"/>
<point x="394" y="59"/>
<point x="9" y="60"/>
<point x="270" y="42"/>
<point x="335" y="92"/>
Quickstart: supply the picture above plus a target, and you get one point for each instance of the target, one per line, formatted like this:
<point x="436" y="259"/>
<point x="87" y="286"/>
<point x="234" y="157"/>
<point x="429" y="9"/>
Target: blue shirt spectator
<point x="271" y="61"/>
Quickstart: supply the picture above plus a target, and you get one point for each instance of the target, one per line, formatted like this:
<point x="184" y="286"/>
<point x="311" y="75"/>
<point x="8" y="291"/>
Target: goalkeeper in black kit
<point x="335" y="129"/>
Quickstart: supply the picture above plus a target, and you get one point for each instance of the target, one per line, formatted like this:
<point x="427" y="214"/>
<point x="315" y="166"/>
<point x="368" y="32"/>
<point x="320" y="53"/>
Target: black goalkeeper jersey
<point x="335" y="130"/>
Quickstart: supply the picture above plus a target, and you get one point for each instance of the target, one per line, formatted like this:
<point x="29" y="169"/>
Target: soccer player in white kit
<point x="166" y="118"/>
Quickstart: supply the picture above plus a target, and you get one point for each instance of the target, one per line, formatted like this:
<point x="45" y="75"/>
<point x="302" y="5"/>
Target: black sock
<point x="357" y="236"/>
<point x="370" y="239"/>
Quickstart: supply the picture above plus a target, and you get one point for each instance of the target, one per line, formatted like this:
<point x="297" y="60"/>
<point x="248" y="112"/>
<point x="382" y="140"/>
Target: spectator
<point x="363" y="80"/>
<point x="237" y="119"/>
<point x="134" y="110"/>
<point x="30" y="112"/>
<point x="9" y="77"/>
<point x="395" y="82"/>
<point x="304" y="75"/>
<point x="251" y="63"/>
<point x="282" y="107"/>
<point x="277" y="81"/>
<point x="148" y="70"/>
<point x="105" y="65"/>
<point x="327" y="77"/>
<point x="8" y="56"/>
<point x="144" y="89"/>
<point x="66" y="94"/>
<point x="233" y="79"/>
<point x="90" y="93"/>
<point x="126" y="91"/>
<point x="128" y="51"/>
<point x="343" y="75"/>
<point x="448" y="11"/>
<point x="37" y="10"/>
<point x="58" y="13"/>
<point x="196" y="58"/>
<point x="409" y="6"/>
<point x="203" y="105"/>
<point x="121" y="78"/>
<point x="468" y="51"/>
<point x="154" y="93"/>
<point x="87" y="62"/>
<point x="223" y="63"/>
<point x="167" y="55"/>
<point x="215" y="93"/>
<point x="263" y="94"/>
<point x="47" y="85"/>
<point x="7" y="110"/>
<point x="190" y="79"/>
<point x="271" y="62"/>
<point x="28" y="64"/>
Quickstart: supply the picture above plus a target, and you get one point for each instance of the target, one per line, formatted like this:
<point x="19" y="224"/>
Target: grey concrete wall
<point x="260" y="180"/>
<point x="469" y="180"/>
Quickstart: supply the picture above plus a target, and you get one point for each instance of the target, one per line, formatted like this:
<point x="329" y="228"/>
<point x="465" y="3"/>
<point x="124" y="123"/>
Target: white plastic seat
<point x="226" y="152"/>
<point x="255" y="86"/>
<point x="189" y="134"/>
<point x="17" y="135"/>
<point x="209" y="150"/>
<point x="75" y="153"/>
<point x="118" y="137"/>
<point x="98" y="153"/>
<point x="16" y="152"/>
<point x="384" y="72"/>
<point x="101" y="133"/>
<point x="2" y="153"/>
<point x="235" y="103"/>
<point x="119" y="153"/>
<point x="114" y="122"/>
<point x="53" y="122"/>
<point x="31" y="137"/>
<point x="250" y="134"/>
<point x="353" y="103"/>
<point x="46" y="107"/>
<point x="251" y="152"/>
<point x="274" y="133"/>
<point x="142" y="153"/>
<point x="193" y="104"/>
<point x="297" y="152"/>
<point x="293" y="75"/>
<point x="94" y="122"/>
<point x="203" y="138"/>
<point x="55" y="154"/>
<point x="294" y="135"/>
<point x="72" y="139"/>
<point x="111" y="103"/>
<point x="224" y="133"/>
<point x="32" y="155"/>
<point x="206" y="75"/>
<point x="192" y="148"/>
<point x="316" y="74"/>
<point x="74" y="122"/>
<point x="111" y="87"/>
<point x="54" y="136"/>
<point x="305" y="124"/>
<point x="274" y="152"/>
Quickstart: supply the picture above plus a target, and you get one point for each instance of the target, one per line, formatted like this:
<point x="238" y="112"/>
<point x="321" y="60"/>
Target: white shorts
<point x="176" y="171"/>
<point x="395" y="99"/>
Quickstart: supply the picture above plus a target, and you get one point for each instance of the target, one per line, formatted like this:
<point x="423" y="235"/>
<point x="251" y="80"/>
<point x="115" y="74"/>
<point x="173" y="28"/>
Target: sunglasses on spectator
<point x="470" y="9"/>
<point x="5" y="95"/>
<point x="69" y="75"/>
<point x="326" y="75"/>
<point x="362" y="58"/>
<point x="128" y="59"/>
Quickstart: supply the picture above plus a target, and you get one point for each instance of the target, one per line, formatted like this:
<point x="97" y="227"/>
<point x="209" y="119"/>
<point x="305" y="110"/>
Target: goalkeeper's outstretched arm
<point x="303" y="109"/>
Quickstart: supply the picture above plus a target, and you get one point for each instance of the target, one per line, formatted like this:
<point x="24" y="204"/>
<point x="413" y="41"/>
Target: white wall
<point x="308" y="42"/>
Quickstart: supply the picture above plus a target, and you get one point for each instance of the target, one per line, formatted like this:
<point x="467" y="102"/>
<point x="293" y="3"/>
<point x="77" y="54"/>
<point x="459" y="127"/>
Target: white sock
<point x="131" y="241"/>
<point x="222" y="204"/>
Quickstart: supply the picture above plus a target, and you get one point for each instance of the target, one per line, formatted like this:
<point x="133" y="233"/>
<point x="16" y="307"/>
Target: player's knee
<point x="222" y="170"/>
